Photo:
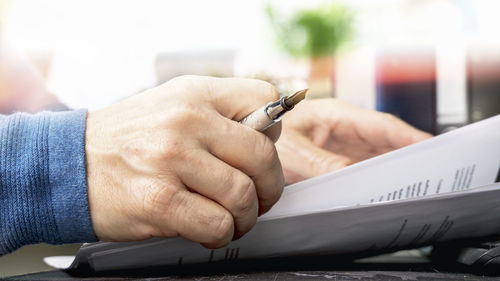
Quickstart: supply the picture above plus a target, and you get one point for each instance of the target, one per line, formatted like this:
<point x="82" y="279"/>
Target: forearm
<point x="43" y="190"/>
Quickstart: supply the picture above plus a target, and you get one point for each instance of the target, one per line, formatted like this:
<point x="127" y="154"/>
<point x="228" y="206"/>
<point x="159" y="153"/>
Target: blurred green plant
<point x="313" y="33"/>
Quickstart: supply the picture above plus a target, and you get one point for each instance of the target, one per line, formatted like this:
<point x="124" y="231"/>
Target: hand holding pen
<point x="173" y="161"/>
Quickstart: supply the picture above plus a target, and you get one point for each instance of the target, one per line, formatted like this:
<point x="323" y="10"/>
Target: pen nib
<point x="295" y="98"/>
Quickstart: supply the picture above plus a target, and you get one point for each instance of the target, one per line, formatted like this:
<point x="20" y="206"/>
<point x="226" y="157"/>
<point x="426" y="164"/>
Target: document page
<point x="413" y="196"/>
<point x="461" y="159"/>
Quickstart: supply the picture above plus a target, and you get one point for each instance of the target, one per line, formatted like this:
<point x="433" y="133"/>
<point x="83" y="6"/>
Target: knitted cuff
<point x="43" y="189"/>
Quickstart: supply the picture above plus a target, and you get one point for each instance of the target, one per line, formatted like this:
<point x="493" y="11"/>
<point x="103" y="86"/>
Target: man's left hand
<point x="324" y="135"/>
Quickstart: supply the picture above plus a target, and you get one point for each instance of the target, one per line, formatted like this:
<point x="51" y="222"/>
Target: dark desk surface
<point x="387" y="267"/>
<point x="285" y="275"/>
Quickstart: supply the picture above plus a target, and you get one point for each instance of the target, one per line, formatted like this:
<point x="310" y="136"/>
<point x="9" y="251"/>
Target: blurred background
<point x="434" y="63"/>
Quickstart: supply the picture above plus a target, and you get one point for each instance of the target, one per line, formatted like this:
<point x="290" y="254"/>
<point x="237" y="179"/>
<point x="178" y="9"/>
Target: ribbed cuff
<point x="43" y="189"/>
<point x="68" y="177"/>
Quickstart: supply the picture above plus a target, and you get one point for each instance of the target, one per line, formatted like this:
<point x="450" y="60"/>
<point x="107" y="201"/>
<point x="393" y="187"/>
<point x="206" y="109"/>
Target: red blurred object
<point x="405" y="68"/>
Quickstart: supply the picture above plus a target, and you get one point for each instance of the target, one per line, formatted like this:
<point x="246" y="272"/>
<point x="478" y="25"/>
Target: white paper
<point x="59" y="262"/>
<point x="455" y="161"/>
<point x="410" y="197"/>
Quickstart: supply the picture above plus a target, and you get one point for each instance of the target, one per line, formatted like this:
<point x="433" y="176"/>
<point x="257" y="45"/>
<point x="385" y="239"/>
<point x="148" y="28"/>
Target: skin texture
<point x="172" y="161"/>
<point x="324" y="135"/>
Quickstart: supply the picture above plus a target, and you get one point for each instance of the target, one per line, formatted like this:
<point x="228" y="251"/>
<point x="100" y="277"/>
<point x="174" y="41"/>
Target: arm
<point x="170" y="161"/>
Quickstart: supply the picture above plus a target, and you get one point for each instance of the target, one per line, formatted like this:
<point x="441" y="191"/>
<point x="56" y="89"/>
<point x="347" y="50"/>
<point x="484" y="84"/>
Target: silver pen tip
<point x="295" y="98"/>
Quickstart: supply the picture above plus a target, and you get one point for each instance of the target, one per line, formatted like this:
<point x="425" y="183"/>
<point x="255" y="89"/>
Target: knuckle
<point x="327" y="163"/>
<point x="223" y="228"/>
<point x="267" y="150"/>
<point x="181" y="114"/>
<point x="243" y="229"/>
<point x="161" y="201"/>
<point x="277" y="190"/>
<point x="273" y="196"/>
<point x="177" y="129"/>
<point x="245" y="196"/>
<point x="320" y="162"/>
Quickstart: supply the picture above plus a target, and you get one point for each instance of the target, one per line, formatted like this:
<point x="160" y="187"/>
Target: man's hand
<point x="320" y="136"/>
<point x="172" y="161"/>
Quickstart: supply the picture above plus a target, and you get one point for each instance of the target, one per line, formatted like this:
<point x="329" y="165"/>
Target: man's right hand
<point x="173" y="161"/>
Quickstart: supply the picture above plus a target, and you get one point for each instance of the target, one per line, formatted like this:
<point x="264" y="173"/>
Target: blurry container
<point x="406" y="86"/>
<point x="483" y="83"/>
<point x="321" y="78"/>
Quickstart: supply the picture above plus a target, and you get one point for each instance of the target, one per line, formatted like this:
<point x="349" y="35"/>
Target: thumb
<point x="235" y="98"/>
<point x="303" y="158"/>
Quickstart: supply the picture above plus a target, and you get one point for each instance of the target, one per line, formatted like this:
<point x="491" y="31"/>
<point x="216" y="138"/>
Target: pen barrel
<point x="258" y="120"/>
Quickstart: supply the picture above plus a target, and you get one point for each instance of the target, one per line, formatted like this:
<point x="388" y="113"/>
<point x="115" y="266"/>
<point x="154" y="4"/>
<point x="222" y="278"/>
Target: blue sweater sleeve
<point x="43" y="187"/>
